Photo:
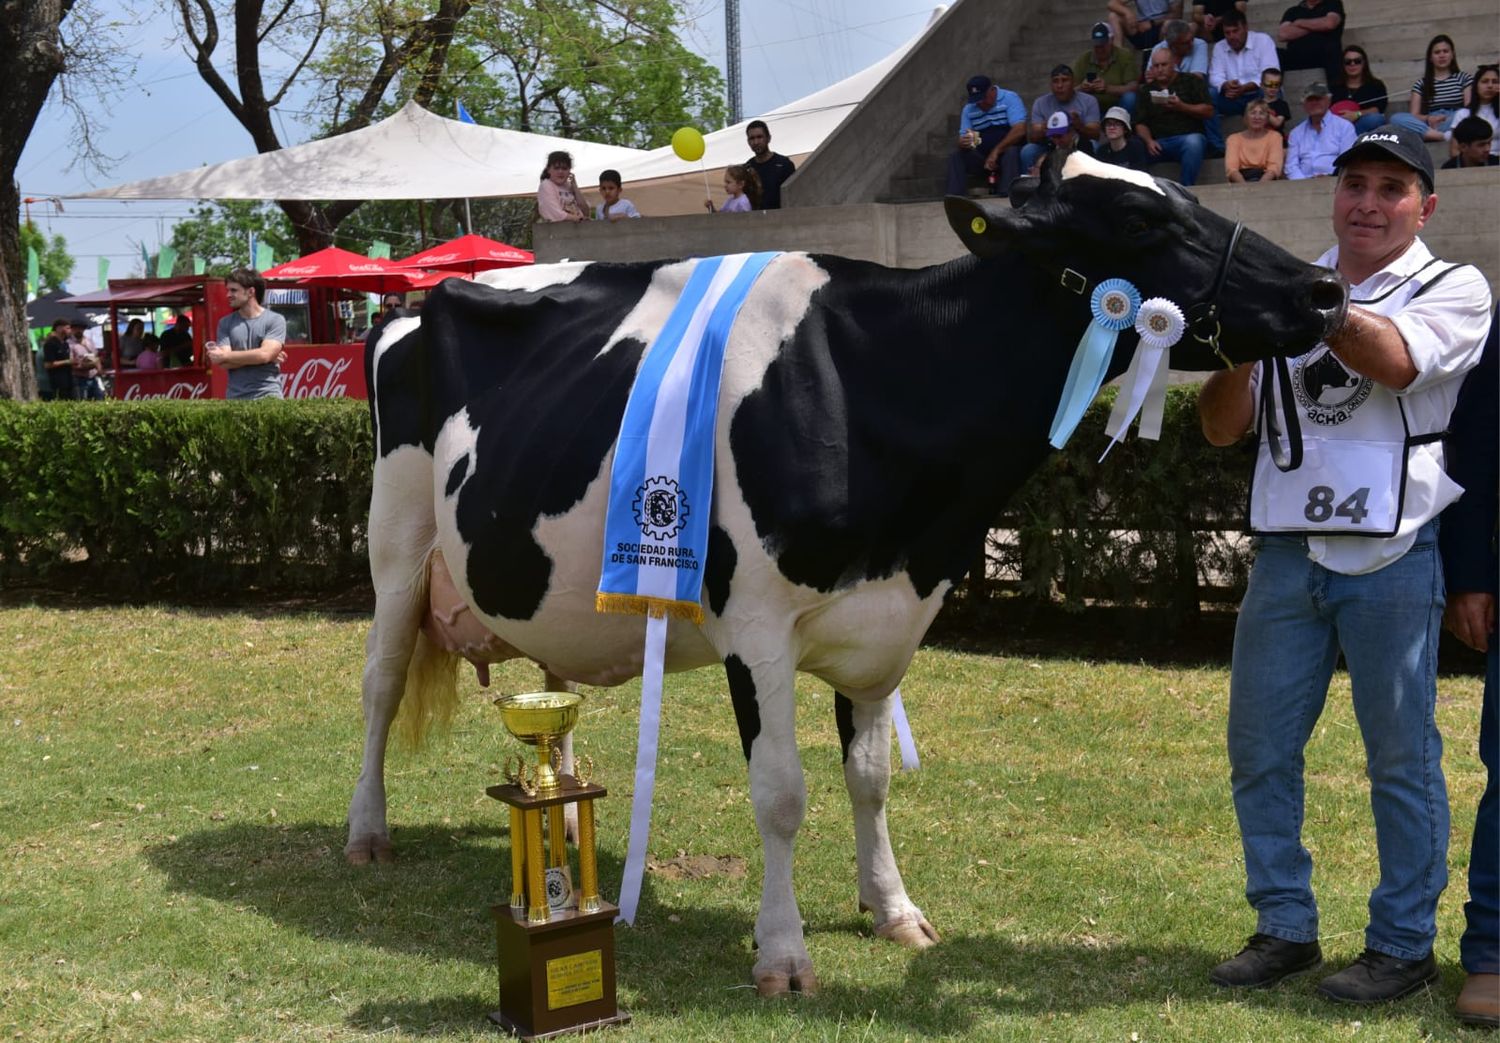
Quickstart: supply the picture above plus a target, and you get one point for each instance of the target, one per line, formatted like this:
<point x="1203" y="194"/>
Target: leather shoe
<point x="1377" y="977"/>
<point x="1266" y="960"/>
<point x="1479" y="1001"/>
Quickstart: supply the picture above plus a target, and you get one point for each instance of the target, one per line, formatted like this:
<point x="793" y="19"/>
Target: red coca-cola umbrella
<point x="468" y="254"/>
<point x="349" y="271"/>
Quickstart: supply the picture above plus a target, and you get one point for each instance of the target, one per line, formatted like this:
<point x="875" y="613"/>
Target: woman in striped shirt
<point x="1441" y="91"/>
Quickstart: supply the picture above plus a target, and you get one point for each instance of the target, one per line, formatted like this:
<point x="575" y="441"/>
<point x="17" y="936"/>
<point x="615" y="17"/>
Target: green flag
<point x="103" y="273"/>
<point x="199" y="264"/>
<point x="145" y="261"/>
<point x="166" y="260"/>
<point x="33" y="273"/>
<point x="380" y="249"/>
<point x="265" y="257"/>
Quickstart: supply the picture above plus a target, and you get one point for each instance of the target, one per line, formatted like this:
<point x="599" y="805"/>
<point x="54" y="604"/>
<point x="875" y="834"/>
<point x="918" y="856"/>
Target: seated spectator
<point x="1318" y="140"/>
<point x="1255" y="153"/>
<point x="1209" y="15"/>
<point x="1486" y="106"/>
<point x="1438" y="94"/>
<point x="1109" y="73"/>
<point x="1170" y="117"/>
<point x="1311" y="35"/>
<point x="1358" y="96"/>
<point x="558" y="197"/>
<point x="991" y="129"/>
<point x="613" y="208"/>
<point x="1081" y="110"/>
<point x="1473" y="136"/>
<point x="742" y="186"/>
<point x="1141" y="28"/>
<point x="130" y="341"/>
<point x="177" y="342"/>
<point x="1118" y="145"/>
<point x="150" y="356"/>
<point x="1061" y="138"/>
<point x="1238" y="59"/>
<point x="1270" y="91"/>
<point x="1192" y="56"/>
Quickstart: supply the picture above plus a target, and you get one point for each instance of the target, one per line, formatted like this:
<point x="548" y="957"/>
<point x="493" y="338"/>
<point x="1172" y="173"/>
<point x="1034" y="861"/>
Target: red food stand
<point x="324" y="357"/>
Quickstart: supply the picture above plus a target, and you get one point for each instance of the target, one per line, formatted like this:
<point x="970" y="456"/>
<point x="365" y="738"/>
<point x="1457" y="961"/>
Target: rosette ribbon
<point x="1114" y="304"/>
<point x="1143" y="391"/>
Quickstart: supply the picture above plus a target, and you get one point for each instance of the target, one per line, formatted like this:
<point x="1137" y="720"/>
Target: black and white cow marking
<point x="872" y="423"/>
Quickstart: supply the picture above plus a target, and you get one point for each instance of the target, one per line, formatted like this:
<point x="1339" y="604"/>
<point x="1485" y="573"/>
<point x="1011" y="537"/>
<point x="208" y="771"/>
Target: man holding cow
<point x="1345" y="494"/>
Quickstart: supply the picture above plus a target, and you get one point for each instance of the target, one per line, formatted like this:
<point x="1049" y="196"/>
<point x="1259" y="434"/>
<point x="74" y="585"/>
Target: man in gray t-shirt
<point x="249" y="339"/>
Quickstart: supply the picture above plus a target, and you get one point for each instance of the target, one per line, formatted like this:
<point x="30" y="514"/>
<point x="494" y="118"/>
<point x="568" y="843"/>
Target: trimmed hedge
<point x="209" y="497"/>
<point x="200" y="497"/>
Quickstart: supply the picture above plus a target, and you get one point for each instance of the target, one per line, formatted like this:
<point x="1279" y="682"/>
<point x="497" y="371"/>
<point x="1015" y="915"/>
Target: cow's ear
<point x="987" y="226"/>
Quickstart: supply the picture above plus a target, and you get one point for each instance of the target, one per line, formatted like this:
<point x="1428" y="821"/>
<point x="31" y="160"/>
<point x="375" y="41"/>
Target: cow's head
<point x="1087" y="218"/>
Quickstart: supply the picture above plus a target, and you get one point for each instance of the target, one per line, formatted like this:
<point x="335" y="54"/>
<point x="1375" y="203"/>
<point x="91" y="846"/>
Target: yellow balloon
<point x="688" y="144"/>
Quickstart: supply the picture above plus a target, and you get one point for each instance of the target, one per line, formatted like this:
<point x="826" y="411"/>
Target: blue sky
<point x="168" y="120"/>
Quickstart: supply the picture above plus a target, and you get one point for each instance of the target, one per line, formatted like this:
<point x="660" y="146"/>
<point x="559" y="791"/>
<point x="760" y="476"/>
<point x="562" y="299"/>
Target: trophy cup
<point x="556" y="949"/>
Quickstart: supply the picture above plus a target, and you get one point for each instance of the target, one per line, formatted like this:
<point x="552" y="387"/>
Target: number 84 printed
<point x="1320" y="507"/>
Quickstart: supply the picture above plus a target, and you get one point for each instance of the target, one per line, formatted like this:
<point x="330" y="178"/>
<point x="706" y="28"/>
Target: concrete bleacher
<point x="873" y="189"/>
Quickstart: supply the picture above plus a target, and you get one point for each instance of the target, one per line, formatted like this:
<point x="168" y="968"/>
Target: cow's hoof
<point x="363" y="851"/>
<point x="775" y="983"/>
<point x="911" y="931"/>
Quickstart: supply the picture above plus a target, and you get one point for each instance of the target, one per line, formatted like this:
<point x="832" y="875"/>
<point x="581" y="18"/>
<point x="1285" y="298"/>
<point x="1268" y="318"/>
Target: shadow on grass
<point x="433" y="903"/>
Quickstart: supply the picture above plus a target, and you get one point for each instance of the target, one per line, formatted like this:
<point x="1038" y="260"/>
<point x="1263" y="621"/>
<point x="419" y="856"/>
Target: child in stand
<point x="613" y="208"/>
<point x="742" y="186"/>
<point x="1279" y="118"/>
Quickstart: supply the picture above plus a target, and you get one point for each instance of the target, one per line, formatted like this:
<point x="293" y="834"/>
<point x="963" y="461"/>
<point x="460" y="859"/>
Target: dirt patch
<point x="698" y="867"/>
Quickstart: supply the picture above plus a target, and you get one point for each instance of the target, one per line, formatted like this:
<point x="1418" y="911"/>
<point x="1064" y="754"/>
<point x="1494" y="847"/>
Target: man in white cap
<point x="1348" y="482"/>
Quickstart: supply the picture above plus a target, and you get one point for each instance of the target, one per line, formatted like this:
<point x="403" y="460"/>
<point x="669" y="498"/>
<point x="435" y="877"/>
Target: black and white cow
<point x="872" y="423"/>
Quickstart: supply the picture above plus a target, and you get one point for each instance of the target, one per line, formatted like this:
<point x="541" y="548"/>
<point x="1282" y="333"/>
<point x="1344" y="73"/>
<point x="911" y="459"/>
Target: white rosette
<point x="1160" y="324"/>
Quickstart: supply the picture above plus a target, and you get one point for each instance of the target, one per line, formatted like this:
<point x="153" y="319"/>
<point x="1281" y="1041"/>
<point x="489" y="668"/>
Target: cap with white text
<point x="1391" y="141"/>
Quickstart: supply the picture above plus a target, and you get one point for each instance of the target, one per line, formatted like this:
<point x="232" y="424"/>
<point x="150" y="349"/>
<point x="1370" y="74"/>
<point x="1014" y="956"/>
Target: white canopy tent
<point x="418" y="154"/>
<point x="412" y="154"/>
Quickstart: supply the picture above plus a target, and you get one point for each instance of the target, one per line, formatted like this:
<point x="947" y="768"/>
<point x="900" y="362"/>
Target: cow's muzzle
<point x="1328" y="295"/>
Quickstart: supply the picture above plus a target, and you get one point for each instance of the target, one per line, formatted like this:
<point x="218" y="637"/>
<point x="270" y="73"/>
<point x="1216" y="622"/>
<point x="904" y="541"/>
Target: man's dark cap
<point x="1391" y="142"/>
<point x="1100" y="32"/>
<point x="1060" y="70"/>
<point x="979" y="85"/>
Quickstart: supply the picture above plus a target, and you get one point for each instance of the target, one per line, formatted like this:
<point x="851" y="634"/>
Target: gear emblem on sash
<point x="1327" y="392"/>
<point x="660" y="507"/>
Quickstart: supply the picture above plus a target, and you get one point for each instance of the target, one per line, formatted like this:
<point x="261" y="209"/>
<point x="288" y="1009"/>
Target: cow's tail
<point x="431" y="696"/>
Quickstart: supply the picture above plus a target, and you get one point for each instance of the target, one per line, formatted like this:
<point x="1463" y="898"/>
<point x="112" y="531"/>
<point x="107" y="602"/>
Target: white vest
<point x="1358" y="474"/>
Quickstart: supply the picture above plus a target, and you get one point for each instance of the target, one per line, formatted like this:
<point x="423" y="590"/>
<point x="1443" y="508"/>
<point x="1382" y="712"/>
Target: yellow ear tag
<point x="978" y="225"/>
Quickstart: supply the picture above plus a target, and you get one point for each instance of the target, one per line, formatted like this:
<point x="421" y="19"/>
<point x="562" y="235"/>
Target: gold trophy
<point x="556" y="949"/>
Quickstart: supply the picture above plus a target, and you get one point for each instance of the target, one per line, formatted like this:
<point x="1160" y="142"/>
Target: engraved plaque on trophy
<point x="556" y="945"/>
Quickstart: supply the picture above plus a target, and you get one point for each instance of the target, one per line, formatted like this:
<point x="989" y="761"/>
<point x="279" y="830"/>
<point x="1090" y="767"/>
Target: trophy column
<point x="556" y="950"/>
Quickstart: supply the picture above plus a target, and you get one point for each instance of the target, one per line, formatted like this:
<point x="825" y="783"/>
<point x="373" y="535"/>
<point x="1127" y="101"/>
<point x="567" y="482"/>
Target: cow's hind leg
<point x="765" y="710"/>
<point x="865" y="735"/>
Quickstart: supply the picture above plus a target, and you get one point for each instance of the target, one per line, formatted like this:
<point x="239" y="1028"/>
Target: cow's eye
<point x="1135" y="227"/>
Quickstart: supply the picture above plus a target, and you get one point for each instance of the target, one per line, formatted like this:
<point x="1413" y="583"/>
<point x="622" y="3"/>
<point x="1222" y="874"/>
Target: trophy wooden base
<point x="556" y="977"/>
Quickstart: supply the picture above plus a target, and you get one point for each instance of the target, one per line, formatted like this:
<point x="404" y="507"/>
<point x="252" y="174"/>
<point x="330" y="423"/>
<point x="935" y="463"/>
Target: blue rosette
<point x="1113" y="304"/>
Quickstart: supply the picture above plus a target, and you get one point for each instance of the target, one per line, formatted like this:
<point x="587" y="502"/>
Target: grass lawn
<point x="172" y="817"/>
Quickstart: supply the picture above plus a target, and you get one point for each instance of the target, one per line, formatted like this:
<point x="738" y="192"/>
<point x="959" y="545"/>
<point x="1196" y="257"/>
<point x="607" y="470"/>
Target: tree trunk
<point x="29" y="40"/>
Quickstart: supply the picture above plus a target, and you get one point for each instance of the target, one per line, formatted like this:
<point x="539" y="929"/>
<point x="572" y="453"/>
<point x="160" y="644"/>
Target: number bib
<point x="1345" y="487"/>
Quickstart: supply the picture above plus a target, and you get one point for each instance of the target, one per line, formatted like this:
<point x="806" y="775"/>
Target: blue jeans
<point x="1296" y="618"/>
<point x="1369" y="121"/>
<point x="1186" y="149"/>
<point x="1480" y="946"/>
<point x="1418" y="124"/>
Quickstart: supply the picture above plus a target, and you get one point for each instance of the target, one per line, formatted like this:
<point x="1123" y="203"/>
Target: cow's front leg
<point x="865" y="735"/>
<point x="765" y="710"/>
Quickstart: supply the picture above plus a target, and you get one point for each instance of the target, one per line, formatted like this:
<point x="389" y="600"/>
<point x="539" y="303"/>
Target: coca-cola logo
<point x="317" y="378"/>
<point x="297" y="269"/>
<point x="367" y="268"/>
<point x="429" y="259"/>
<point x="181" y="389"/>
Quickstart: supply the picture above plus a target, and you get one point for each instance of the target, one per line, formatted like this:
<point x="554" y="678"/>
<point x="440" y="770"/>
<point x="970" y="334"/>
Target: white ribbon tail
<point x="909" y="761"/>
<point x="1147" y="369"/>
<point x="645" y="767"/>
<point x="1156" y="402"/>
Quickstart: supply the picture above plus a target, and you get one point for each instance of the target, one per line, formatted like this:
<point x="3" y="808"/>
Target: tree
<point x="55" y="263"/>
<point x="219" y="232"/>
<point x="403" y="43"/>
<point x="52" y="48"/>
